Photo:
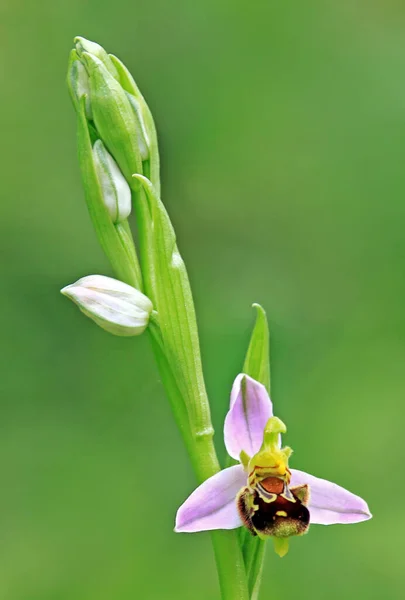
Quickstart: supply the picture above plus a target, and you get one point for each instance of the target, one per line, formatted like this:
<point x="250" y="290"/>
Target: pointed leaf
<point x="257" y="361"/>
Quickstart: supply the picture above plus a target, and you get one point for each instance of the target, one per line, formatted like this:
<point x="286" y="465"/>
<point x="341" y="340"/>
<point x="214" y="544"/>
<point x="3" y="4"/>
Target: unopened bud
<point x="78" y="83"/>
<point x="143" y="140"/>
<point x="145" y="117"/>
<point x="114" y="188"/>
<point x="116" y="108"/>
<point x="115" y="119"/>
<point x="83" y="45"/>
<point x="115" y="306"/>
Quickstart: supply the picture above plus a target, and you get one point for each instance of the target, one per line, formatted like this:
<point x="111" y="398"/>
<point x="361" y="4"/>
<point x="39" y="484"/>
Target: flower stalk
<point x="117" y="140"/>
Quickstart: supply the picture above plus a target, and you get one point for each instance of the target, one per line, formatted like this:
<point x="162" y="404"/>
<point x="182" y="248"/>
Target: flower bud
<point x="145" y="118"/>
<point x="78" y="83"/>
<point x="82" y="45"/>
<point x="115" y="306"/>
<point x="116" y="121"/>
<point x="143" y="140"/>
<point x="116" y="108"/>
<point x="114" y="188"/>
<point x="115" y="238"/>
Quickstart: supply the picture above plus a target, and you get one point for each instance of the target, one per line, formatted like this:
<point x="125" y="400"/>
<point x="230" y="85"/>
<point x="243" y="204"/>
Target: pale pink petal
<point x="213" y="504"/>
<point x="249" y="411"/>
<point x="329" y="503"/>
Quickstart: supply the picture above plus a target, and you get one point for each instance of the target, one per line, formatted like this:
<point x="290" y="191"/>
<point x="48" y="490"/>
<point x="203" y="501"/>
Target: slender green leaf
<point x="257" y="365"/>
<point x="257" y="361"/>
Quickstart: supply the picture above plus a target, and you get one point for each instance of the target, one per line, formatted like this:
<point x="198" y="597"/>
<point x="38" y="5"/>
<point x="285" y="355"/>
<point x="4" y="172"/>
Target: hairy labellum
<point x="271" y="508"/>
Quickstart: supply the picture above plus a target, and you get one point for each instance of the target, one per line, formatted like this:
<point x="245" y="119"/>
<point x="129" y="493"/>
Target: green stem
<point x="228" y="555"/>
<point x="201" y="450"/>
<point x="172" y="391"/>
<point x="196" y="429"/>
<point x="230" y="567"/>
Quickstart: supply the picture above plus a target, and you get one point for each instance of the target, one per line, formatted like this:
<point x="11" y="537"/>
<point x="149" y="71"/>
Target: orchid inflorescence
<point x="119" y="161"/>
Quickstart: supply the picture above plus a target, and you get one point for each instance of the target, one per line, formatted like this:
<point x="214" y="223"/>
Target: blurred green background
<point x="282" y="131"/>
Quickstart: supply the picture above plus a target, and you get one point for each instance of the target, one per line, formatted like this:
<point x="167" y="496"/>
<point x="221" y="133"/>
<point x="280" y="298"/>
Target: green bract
<point x="150" y="166"/>
<point x="257" y="361"/>
<point x="174" y="303"/>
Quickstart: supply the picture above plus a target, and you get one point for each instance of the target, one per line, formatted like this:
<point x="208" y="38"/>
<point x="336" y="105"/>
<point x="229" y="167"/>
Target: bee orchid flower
<point x="262" y="493"/>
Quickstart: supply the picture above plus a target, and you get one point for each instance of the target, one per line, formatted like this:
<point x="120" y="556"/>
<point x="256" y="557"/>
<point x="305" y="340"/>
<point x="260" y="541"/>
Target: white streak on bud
<point x="115" y="306"/>
<point x="80" y="85"/>
<point x="143" y="140"/>
<point x="115" y="189"/>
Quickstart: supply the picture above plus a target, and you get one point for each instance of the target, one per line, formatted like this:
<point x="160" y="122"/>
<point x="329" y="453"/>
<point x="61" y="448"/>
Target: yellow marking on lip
<point x="266" y="467"/>
<point x="281" y="513"/>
